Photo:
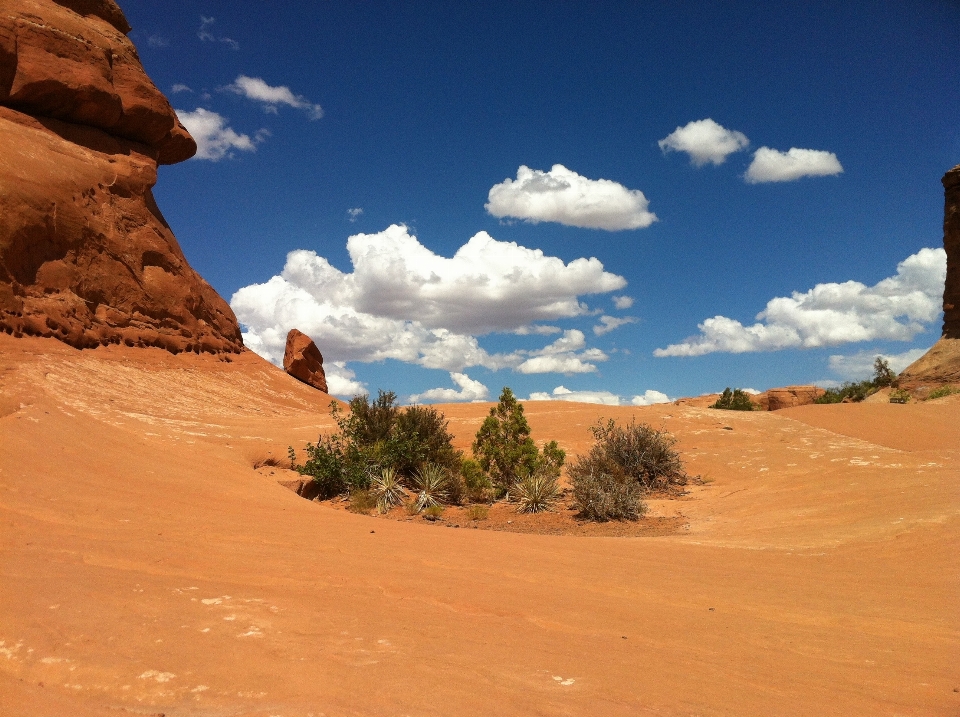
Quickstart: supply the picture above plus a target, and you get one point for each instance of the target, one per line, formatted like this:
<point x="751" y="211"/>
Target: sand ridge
<point x="146" y="567"/>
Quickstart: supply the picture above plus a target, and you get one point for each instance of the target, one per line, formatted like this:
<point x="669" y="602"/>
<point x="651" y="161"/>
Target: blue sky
<point x="416" y="114"/>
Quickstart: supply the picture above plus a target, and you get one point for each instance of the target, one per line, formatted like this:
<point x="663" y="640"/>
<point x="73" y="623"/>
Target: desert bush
<point x="361" y="501"/>
<point x="607" y="496"/>
<point x="850" y="391"/>
<point x="430" y="484"/>
<point x="883" y="375"/>
<point x="900" y="396"/>
<point x="478" y="487"/>
<point x="637" y="450"/>
<point x="478" y="512"/>
<point x="504" y="449"/>
<point x="942" y="391"/>
<point x="536" y="492"/>
<point x="387" y="489"/>
<point x="736" y="400"/>
<point x="374" y="435"/>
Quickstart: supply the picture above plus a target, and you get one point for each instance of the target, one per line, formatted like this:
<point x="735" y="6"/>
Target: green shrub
<point x="536" y="492"/>
<point x="900" y="396"/>
<point x="855" y="392"/>
<point x="736" y="400"/>
<point x="883" y="376"/>
<point x="637" y="451"/>
<point x="943" y="391"/>
<point x="376" y="435"/>
<point x="607" y="496"/>
<point x="505" y="450"/>
<point x="477" y="485"/>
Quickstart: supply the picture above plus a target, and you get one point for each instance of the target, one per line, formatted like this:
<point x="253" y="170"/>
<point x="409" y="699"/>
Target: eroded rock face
<point x="303" y="360"/>
<point x="941" y="364"/>
<point x="85" y="254"/>
<point x="787" y="397"/>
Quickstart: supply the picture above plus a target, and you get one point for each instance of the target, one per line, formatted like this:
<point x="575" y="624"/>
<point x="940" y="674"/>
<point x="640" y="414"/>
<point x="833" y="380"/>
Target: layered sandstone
<point x="941" y="364"/>
<point x="303" y="360"/>
<point x="775" y="399"/>
<point x="85" y="254"/>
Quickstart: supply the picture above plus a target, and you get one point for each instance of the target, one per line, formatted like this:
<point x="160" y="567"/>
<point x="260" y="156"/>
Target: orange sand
<point x="146" y="567"/>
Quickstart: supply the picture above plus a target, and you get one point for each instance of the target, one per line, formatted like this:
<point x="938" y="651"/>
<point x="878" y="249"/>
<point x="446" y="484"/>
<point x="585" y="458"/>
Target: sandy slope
<point x="146" y="568"/>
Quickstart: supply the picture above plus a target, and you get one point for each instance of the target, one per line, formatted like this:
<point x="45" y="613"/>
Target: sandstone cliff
<point x="85" y="254"/>
<point x="941" y="364"/>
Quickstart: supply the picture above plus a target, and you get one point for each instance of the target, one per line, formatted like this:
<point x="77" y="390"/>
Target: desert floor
<point x="147" y="567"/>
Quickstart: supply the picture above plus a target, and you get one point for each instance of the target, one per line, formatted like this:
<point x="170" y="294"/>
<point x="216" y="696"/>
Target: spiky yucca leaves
<point x="536" y="492"/>
<point x="387" y="488"/>
<point x="430" y="483"/>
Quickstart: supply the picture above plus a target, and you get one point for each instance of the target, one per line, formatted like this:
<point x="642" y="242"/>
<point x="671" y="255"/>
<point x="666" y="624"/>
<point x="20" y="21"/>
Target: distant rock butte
<point x="941" y="364"/>
<point x="303" y="360"/>
<point x="85" y="254"/>
<point x="787" y="397"/>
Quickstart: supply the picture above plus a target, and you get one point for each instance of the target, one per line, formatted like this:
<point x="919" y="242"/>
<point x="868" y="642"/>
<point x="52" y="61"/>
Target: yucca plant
<point x="430" y="483"/>
<point x="387" y="488"/>
<point x="536" y="492"/>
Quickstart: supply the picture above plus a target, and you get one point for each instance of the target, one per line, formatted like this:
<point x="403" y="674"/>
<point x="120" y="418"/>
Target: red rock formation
<point x="85" y="254"/>
<point x="303" y="360"/>
<point x="787" y="397"/>
<point x="941" y="364"/>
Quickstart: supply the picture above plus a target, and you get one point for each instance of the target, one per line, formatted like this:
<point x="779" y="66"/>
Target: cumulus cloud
<point x="622" y="302"/>
<point x="606" y="398"/>
<point x="254" y="88"/>
<point x="403" y="302"/>
<point x="215" y="139"/>
<point x="859" y="366"/>
<point x="563" y="196"/>
<point x="179" y="87"/>
<point x="897" y="308"/>
<point x="470" y="390"/>
<point x="770" y="165"/>
<point x="537" y="330"/>
<point x="649" y="398"/>
<point x="609" y="323"/>
<point x="705" y="141"/>
<point x="205" y="33"/>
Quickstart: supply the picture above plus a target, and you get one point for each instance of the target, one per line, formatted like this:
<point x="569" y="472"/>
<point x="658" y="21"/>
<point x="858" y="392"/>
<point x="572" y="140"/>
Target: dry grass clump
<point x="478" y="512"/>
<point x="361" y="501"/>
<point x="605" y="496"/>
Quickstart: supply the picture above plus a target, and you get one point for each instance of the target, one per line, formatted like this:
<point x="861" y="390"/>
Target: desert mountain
<point x="85" y="254"/>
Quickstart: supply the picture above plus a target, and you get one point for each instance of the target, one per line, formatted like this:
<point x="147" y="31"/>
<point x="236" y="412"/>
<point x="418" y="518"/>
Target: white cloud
<point x="563" y="196"/>
<point x="254" y="88"/>
<point x="649" y="398"/>
<point x="705" y="141"/>
<point x="564" y="394"/>
<point x="215" y="140"/>
<point x="897" y="308"/>
<point x="354" y="213"/>
<point x="158" y="41"/>
<point x="606" y="398"/>
<point x="341" y="381"/>
<point x="404" y="302"/>
<point x="537" y="330"/>
<point x="205" y="33"/>
<point x="859" y="366"/>
<point x="622" y="302"/>
<point x="179" y="87"/>
<point x="769" y="165"/>
<point x="470" y="390"/>
<point x="609" y="323"/>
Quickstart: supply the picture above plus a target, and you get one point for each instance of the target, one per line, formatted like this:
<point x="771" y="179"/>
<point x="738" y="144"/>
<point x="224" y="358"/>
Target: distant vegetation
<point x="736" y="400"/>
<point x="943" y="391"/>
<point x="384" y="456"/>
<point x="854" y="392"/>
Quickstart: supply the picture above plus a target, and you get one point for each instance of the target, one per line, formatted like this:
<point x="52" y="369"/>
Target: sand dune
<point x="146" y="567"/>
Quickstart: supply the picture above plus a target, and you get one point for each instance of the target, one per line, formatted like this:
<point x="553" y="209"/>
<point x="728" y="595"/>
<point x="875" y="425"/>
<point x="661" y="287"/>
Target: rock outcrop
<point x="85" y="254"/>
<point x="941" y="364"/>
<point x="303" y="360"/>
<point x="787" y="397"/>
